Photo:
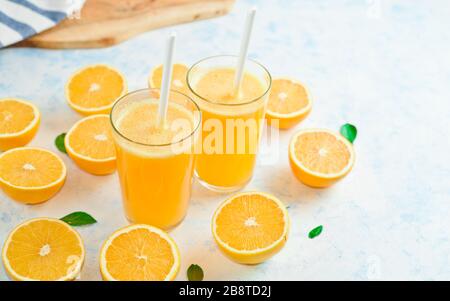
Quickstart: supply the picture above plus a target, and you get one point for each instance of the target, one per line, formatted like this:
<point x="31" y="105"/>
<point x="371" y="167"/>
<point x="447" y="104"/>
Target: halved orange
<point x="94" y="89"/>
<point x="320" y="157"/>
<point x="251" y="227"/>
<point x="139" y="253"/>
<point x="289" y="103"/>
<point x="90" y="145"/>
<point x="19" y="122"/>
<point x="178" y="78"/>
<point x="43" y="249"/>
<point x="31" y="175"/>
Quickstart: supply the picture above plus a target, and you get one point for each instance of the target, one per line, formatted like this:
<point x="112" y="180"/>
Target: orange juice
<point x="155" y="163"/>
<point x="231" y="124"/>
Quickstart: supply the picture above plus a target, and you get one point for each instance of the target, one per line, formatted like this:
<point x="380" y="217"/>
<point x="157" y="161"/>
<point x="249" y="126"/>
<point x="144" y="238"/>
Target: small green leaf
<point x="195" y="273"/>
<point x="349" y="131"/>
<point x="315" y="232"/>
<point x="79" y="218"/>
<point x="59" y="142"/>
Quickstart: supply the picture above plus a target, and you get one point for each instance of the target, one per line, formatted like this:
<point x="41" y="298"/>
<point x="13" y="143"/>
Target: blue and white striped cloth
<point x="20" y="19"/>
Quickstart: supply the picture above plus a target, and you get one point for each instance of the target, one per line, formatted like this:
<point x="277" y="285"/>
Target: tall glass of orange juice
<point x="231" y="122"/>
<point x="155" y="163"/>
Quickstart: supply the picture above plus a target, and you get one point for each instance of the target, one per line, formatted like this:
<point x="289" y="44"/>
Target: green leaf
<point x="79" y="218"/>
<point x="315" y="232"/>
<point x="59" y="142"/>
<point x="349" y="131"/>
<point x="195" y="273"/>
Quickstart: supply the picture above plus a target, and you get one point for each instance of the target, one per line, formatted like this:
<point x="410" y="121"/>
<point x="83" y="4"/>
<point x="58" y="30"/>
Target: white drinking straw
<point x="167" y="76"/>
<point x="244" y="50"/>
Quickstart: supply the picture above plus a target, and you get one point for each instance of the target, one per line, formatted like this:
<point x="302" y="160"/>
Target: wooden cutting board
<point x="104" y="23"/>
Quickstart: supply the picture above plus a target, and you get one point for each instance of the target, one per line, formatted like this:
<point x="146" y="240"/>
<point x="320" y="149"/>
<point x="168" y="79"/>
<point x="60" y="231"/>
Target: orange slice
<point x="94" y="89"/>
<point x="289" y="103"/>
<point x="31" y="175"/>
<point x="90" y="145"/>
<point x="320" y="157"/>
<point x="43" y="249"/>
<point x="178" y="78"/>
<point x="251" y="227"/>
<point x="139" y="253"/>
<point x="19" y="122"/>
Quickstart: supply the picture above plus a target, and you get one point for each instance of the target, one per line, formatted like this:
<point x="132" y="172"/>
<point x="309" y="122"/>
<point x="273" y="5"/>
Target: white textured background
<point x="383" y="65"/>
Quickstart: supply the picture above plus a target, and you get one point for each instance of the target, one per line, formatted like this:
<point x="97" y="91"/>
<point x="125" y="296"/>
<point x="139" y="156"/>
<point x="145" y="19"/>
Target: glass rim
<point x="228" y="104"/>
<point x="155" y="145"/>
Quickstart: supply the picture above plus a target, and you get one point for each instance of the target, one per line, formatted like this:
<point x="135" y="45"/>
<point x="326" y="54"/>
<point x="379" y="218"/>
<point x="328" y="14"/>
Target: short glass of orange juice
<point x="232" y="122"/>
<point x="155" y="163"/>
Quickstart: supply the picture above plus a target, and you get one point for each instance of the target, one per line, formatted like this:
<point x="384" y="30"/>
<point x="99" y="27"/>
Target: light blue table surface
<point x="382" y="65"/>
